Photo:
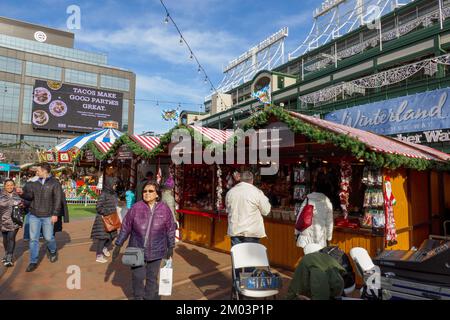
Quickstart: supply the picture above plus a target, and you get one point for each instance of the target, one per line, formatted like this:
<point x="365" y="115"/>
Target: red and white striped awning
<point x="376" y="142"/>
<point x="103" y="146"/>
<point x="147" y="142"/>
<point x="215" y="135"/>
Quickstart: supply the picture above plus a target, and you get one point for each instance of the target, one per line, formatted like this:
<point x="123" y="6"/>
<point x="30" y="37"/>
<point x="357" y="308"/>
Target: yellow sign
<point x="110" y="125"/>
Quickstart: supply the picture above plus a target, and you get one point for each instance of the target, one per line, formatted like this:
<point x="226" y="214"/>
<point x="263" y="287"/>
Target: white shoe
<point x="106" y="252"/>
<point x="101" y="258"/>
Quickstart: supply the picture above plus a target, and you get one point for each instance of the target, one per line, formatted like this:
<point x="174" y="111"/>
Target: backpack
<point x="342" y="258"/>
<point x="304" y="220"/>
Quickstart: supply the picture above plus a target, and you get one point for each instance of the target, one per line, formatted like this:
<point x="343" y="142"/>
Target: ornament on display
<point x="219" y="188"/>
<point x="344" y="194"/>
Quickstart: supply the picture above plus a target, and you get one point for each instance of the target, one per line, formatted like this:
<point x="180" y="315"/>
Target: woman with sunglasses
<point x="161" y="239"/>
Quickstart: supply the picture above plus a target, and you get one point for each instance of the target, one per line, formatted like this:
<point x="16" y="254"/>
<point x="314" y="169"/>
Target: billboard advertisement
<point x="64" y="107"/>
<point x="420" y="112"/>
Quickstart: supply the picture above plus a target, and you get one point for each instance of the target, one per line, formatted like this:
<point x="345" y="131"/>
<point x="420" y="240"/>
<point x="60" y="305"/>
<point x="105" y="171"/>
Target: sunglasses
<point x="149" y="191"/>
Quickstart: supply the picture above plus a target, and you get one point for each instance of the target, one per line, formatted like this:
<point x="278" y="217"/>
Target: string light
<point x="192" y="55"/>
<point x="166" y="20"/>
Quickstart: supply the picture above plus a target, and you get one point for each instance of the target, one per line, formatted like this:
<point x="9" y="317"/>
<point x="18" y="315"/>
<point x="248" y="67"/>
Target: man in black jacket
<point x="45" y="196"/>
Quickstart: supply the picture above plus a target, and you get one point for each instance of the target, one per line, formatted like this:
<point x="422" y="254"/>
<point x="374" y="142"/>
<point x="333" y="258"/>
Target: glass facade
<point x="27" y="103"/>
<point x="11" y="65"/>
<point x="52" y="50"/>
<point x="126" y="105"/>
<point x="80" y="77"/>
<point x="41" y="142"/>
<point x="9" y="101"/>
<point x="8" y="138"/>
<point x="116" y="83"/>
<point x="45" y="71"/>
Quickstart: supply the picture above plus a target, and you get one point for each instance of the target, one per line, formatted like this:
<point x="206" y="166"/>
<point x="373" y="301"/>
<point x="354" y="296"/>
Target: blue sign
<point x="419" y="112"/>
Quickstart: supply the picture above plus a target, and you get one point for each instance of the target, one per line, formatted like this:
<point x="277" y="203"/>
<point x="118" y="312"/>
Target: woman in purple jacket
<point x="160" y="244"/>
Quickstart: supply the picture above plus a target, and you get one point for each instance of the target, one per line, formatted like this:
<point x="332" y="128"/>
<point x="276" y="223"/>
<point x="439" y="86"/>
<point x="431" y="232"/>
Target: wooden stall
<point x="417" y="174"/>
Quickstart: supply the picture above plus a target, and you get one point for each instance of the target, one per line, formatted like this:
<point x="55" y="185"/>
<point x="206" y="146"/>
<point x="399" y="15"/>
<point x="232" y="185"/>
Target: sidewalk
<point x="199" y="273"/>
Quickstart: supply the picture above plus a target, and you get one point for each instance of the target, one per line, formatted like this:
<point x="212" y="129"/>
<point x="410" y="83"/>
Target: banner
<point x="71" y="108"/>
<point x="420" y="112"/>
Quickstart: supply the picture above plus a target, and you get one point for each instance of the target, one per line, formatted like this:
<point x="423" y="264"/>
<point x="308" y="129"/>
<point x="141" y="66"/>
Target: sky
<point x="134" y="36"/>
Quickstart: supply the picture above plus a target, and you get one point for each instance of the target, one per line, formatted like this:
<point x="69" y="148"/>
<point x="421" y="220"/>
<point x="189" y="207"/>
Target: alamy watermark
<point x="73" y="282"/>
<point x="263" y="148"/>
<point x="73" y="22"/>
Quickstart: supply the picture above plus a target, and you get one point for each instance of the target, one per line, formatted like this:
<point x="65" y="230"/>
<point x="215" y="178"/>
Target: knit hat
<point x="169" y="184"/>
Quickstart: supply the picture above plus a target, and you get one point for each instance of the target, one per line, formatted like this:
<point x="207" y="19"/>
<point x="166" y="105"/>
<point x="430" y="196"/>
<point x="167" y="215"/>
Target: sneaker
<point x="8" y="264"/>
<point x="31" y="267"/>
<point x="106" y="252"/>
<point x="53" y="257"/>
<point x="4" y="259"/>
<point x="101" y="258"/>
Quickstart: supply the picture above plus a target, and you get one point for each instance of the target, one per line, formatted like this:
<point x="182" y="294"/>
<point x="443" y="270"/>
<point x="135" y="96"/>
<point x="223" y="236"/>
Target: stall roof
<point x="105" y="135"/>
<point x="148" y="142"/>
<point x="215" y="135"/>
<point x="376" y="142"/>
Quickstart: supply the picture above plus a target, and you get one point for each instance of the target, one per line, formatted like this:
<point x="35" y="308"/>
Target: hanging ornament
<point x="344" y="194"/>
<point x="389" y="202"/>
<point x="219" y="188"/>
<point x="170" y="115"/>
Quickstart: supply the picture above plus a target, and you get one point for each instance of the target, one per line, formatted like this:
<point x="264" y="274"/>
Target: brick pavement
<point x="199" y="273"/>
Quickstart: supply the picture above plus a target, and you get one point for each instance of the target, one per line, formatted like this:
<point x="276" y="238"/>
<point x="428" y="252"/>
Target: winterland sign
<point x="415" y="113"/>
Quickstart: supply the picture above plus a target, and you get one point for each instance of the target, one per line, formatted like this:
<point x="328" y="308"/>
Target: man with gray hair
<point x="246" y="205"/>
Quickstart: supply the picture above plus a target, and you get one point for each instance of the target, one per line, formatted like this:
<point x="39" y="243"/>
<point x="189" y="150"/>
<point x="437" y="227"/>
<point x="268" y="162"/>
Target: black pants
<point x="9" y="241"/>
<point x="102" y="243"/>
<point x="145" y="281"/>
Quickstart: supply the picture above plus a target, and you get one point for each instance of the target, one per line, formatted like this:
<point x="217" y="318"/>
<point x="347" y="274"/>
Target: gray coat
<point x="6" y="204"/>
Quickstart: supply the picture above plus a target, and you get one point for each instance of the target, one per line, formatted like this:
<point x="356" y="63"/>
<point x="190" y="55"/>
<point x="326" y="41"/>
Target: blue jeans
<point x="36" y="224"/>
<point x="237" y="240"/>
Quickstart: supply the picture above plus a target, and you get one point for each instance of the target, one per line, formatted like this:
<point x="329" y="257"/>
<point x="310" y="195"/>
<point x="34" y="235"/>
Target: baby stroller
<point x="258" y="281"/>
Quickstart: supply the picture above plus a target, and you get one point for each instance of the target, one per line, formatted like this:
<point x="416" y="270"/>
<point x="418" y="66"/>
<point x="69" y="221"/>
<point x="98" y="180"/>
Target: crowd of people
<point x="150" y="226"/>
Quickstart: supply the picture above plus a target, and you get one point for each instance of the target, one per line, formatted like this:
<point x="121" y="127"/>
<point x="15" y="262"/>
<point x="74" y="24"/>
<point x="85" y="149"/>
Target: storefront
<point x="356" y="165"/>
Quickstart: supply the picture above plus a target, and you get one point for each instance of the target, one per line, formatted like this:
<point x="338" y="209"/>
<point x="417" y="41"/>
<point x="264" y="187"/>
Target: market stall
<point x="385" y="193"/>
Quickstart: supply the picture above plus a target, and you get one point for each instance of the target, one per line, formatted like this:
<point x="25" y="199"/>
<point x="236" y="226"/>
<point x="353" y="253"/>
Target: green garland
<point x="354" y="146"/>
<point x="260" y="119"/>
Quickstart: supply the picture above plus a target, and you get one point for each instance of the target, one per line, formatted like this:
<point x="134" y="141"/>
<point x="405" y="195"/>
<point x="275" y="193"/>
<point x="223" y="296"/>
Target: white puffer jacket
<point x="321" y="229"/>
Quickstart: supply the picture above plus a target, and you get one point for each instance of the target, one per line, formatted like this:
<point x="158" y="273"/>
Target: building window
<point x="10" y="65"/>
<point x="45" y="71"/>
<point x="280" y="82"/>
<point x="116" y="83"/>
<point x="9" y="101"/>
<point x="8" y="138"/>
<point x="41" y="142"/>
<point x="81" y="77"/>
<point x="27" y="103"/>
<point x="126" y="103"/>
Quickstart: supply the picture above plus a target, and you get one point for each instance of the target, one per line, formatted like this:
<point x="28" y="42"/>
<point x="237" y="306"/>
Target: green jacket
<point x="318" y="276"/>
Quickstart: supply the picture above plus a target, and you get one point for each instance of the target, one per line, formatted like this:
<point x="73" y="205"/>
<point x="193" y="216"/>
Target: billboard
<point x="425" y="111"/>
<point x="64" y="107"/>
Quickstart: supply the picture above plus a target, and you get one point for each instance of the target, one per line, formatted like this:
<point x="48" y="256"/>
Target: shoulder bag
<point x="17" y="216"/>
<point x="134" y="256"/>
<point x="111" y="222"/>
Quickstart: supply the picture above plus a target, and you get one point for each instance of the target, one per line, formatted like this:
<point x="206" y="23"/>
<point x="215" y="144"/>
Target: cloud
<point x="213" y="49"/>
<point x="297" y="20"/>
<point x="156" y="86"/>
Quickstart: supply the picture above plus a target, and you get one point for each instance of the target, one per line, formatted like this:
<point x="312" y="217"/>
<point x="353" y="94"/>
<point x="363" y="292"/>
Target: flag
<point x="263" y="95"/>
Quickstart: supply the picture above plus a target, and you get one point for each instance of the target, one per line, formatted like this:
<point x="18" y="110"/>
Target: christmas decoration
<point x="389" y="202"/>
<point x="346" y="175"/>
<point x="219" y="189"/>
<point x="84" y="190"/>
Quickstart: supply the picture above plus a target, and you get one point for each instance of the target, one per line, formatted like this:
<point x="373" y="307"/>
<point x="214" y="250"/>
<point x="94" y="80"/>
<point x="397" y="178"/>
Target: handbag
<point x="304" y="220"/>
<point x="16" y="215"/>
<point x="134" y="256"/>
<point x="260" y="279"/>
<point x="111" y="222"/>
<point x="166" y="279"/>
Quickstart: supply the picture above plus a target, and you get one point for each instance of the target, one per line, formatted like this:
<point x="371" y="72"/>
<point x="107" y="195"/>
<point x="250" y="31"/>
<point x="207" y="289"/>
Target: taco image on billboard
<point x="54" y="85"/>
<point x="58" y="108"/>
<point x="40" y="117"/>
<point x="42" y="95"/>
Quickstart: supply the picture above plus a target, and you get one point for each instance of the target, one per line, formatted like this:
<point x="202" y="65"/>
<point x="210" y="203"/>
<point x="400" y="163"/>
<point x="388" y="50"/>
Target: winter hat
<point x="169" y="184"/>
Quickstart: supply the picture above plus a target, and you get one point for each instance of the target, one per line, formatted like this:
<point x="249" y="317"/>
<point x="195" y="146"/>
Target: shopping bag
<point x="165" y="279"/>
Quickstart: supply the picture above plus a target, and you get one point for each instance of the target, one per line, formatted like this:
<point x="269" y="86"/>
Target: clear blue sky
<point x="134" y="36"/>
